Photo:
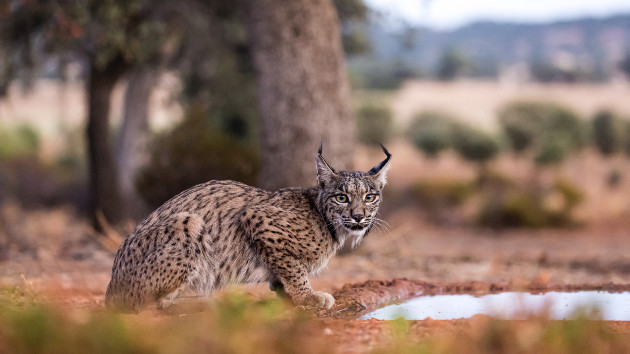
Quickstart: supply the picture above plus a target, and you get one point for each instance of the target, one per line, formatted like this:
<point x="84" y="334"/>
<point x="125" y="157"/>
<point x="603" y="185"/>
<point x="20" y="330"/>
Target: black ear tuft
<point x="385" y="151"/>
<point x="319" y="151"/>
<point x="376" y="169"/>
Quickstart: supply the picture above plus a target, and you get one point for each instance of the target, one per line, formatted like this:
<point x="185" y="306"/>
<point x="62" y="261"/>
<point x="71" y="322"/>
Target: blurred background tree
<point x="208" y="45"/>
<point x="608" y="133"/>
<point x="109" y="38"/>
<point x="452" y="64"/>
<point x="432" y="132"/>
<point x="303" y="92"/>
<point x="548" y="130"/>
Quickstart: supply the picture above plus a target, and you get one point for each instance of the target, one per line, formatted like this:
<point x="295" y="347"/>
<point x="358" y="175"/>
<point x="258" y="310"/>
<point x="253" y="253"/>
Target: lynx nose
<point x="357" y="217"/>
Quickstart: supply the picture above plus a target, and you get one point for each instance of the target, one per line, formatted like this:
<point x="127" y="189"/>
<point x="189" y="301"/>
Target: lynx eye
<point x="369" y="198"/>
<point x="341" y="198"/>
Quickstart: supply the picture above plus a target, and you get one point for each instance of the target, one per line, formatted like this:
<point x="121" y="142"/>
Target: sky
<point x="449" y="14"/>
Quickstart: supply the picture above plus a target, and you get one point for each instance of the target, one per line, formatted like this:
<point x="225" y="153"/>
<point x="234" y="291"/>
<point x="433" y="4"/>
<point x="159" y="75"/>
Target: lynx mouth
<point x="355" y="227"/>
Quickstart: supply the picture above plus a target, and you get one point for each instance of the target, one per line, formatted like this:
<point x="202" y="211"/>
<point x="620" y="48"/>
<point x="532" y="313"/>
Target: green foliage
<point x="548" y="130"/>
<point x="441" y="198"/>
<point x="21" y="141"/>
<point x="231" y="324"/>
<point x="551" y="151"/>
<point x="474" y="145"/>
<point x="431" y="132"/>
<point x="355" y="41"/>
<point x="521" y="123"/>
<point x="34" y="182"/>
<point x="430" y="192"/>
<point x="607" y="132"/>
<point x="451" y="64"/>
<point x="583" y="333"/>
<point x="374" y="124"/>
<point x="531" y="206"/>
<point x="194" y="152"/>
<point x="353" y="15"/>
<point x="351" y="10"/>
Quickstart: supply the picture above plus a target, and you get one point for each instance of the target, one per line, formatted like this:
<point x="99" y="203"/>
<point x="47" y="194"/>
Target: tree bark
<point x="133" y="139"/>
<point x="303" y="93"/>
<point x="103" y="181"/>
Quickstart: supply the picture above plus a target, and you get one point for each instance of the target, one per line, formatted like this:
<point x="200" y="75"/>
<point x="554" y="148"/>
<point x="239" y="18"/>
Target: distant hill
<point x="581" y="49"/>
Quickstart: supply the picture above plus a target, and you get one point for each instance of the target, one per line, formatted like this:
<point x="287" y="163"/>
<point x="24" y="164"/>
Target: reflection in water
<point x="510" y="305"/>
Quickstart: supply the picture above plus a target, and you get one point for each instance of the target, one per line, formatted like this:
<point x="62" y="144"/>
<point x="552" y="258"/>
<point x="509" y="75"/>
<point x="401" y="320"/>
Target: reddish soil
<point x="69" y="265"/>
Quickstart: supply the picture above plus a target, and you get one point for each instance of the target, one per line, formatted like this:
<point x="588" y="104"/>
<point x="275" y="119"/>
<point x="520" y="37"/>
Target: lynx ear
<point x="325" y="173"/>
<point x="379" y="172"/>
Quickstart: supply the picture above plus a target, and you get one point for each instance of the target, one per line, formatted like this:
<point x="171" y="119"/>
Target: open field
<point x="479" y="101"/>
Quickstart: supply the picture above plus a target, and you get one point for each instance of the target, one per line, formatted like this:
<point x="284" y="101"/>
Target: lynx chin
<point x="225" y="232"/>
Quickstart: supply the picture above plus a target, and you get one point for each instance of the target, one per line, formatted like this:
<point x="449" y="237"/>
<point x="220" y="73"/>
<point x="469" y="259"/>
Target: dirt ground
<point x="75" y="273"/>
<point x="54" y="255"/>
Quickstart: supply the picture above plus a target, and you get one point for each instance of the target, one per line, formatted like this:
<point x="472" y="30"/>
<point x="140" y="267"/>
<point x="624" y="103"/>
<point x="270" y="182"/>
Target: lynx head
<point x="349" y="200"/>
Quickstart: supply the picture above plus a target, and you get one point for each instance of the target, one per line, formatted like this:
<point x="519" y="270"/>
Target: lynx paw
<point x="319" y="299"/>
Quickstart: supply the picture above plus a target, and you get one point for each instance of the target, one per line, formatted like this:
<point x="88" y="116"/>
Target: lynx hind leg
<point x="166" y="270"/>
<point x="176" y="266"/>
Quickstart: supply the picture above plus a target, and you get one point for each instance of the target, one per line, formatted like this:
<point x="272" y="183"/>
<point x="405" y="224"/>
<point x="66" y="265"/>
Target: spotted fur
<point x="225" y="232"/>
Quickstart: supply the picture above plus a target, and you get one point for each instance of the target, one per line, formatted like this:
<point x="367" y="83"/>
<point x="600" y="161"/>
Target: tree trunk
<point x="133" y="138"/>
<point x="303" y="93"/>
<point x="103" y="188"/>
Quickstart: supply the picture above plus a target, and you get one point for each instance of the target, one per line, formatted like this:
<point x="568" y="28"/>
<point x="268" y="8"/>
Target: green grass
<point x="234" y="323"/>
<point x="231" y="324"/>
<point x="536" y="335"/>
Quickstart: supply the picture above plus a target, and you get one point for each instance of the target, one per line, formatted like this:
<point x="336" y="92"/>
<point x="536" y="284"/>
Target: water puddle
<point x="510" y="305"/>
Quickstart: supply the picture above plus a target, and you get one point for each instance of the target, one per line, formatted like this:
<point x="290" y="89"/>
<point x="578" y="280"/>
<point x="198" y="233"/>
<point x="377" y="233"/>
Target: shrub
<point x="431" y="132"/>
<point x="33" y="182"/>
<point x="607" y="132"/>
<point x="192" y="153"/>
<point x="441" y="192"/>
<point x="374" y="124"/>
<point x="441" y="199"/>
<point x="521" y="124"/>
<point x="21" y="141"/>
<point x="474" y="145"/>
<point x="531" y="206"/>
<point x="549" y="129"/>
<point x="552" y="151"/>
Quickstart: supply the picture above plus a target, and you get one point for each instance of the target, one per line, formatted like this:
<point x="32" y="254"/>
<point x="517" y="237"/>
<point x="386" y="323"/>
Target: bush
<point x="374" y="124"/>
<point x="441" y="199"/>
<point x="604" y="135"/>
<point x="21" y="141"/>
<point x="33" y="182"/>
<point x="192" y="153"/>
<point x="474" y="145"/>
<point x="550" y="130"/>
<point x="531" y="206"/>
<point x="552" y="151"/>
<point x="521" y="124"/>
<point x="232" y="323"/>
<point x="442" y="193"/>
<point x="607" y="132"/>
<point x="431" y="132"/>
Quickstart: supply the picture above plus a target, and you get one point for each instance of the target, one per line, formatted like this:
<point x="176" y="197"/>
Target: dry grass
<point x="479" y="101"/>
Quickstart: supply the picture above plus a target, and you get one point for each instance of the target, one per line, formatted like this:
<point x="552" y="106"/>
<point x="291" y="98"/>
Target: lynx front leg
<point x="291" y="279"/>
